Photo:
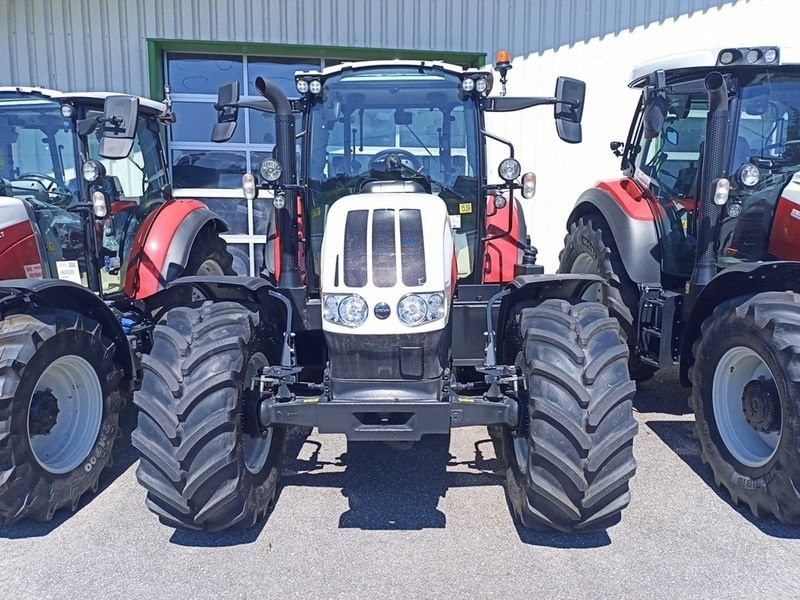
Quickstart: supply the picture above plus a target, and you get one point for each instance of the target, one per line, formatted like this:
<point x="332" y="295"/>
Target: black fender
<point x="743" y="279"/>
<point x="183" y="241"/>
<point x="529" y="290"/>
<point x="636" y="239"/>
<point x="56" y="293"/>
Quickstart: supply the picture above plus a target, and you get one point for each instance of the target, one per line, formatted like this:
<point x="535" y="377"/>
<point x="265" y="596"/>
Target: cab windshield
<point x="364" y="118"/>
<point x="37" y="150"/>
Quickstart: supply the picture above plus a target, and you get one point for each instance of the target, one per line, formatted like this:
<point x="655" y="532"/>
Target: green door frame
<point x="157" y="47"/>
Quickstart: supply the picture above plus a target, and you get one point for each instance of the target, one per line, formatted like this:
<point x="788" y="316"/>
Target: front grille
<point x="355" y="249"/>
<point x="384" y="251"/>
<point x="412" y="247"/>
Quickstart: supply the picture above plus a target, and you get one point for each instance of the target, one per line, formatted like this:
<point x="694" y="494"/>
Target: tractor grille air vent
<point x="355" y="249"/>
<point x="384" y="249"/>
<point x="412" y="247"/>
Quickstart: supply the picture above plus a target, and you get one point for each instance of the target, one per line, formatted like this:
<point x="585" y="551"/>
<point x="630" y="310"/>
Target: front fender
<point x="632" y="223"/>
<point x="738" y="280"/>
<point x="56" y="293"/>
<point x="163" y="243"/>
<point x="529" y="290"/>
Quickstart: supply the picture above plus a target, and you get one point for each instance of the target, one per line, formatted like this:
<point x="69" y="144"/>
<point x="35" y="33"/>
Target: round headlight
<point x="468" y="84"/>
<point x="353" y="310"/>
<point x="726" y="57"/>
<point x="509" y="169"/>
<point x="412" y="309"/>
<point x="270" y="170"/>
<point x="67" y="110"/>
<point x="330" y="308"/>
<point x="752" y="56"/>
<point x="435" y="306"/>
<point x="315" y="87"/>
<point x="92" y="171"/>
<point x="279" y="200"/>
<point x="481" y="85"/>
<point x="302" y="86"/>
<point x="749" y="174"/>
<point x="770" y="55"/>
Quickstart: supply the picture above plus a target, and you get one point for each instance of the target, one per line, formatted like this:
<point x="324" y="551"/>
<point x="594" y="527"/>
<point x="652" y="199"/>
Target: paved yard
<point x="370" y="521"/>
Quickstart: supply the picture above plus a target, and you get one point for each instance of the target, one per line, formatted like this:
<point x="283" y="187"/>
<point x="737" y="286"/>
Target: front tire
<point x="746" y="400"/>
<point x="569" y="461"/>
<point x="59" y="411"/>
<point x="589" y="247"/>
<point x="200" y="470"/>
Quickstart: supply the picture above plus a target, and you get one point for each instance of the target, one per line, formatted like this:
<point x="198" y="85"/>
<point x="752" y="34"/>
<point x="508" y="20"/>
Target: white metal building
<point x="136" y="46"/>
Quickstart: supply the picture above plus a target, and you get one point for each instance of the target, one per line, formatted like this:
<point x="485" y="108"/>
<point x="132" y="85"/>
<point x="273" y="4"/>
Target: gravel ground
<point x="370" y="521"/>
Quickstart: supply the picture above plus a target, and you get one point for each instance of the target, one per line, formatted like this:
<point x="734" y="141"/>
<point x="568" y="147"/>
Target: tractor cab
<point x="78" y="174"/>
<point x="405" y="127"/>
<point x="761" y="153"/>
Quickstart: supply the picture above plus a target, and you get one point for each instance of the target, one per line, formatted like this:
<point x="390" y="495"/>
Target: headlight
<point x="481" y="85"/>
<point x="416" y="309"/>
<point x="468" y="84"/>
<point x="749" y="174"/>
<point x="770" y="55"/>
<point x="93" y="171"/>
<point x="270" y="170"/>
<point x="315" y="86"/>
<point x="302" y="86"/>
<point x="509" y="169"/>
<point x="350" y="310"/>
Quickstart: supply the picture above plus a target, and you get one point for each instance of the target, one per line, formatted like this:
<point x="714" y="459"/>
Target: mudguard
<point x="163" y="243"/>
<point x="529" y="290"/>
<point x="56" y="293"/>
<point x="747" y="278"/>
<point x="623" y="206"/>
<point x="509" y="243"/>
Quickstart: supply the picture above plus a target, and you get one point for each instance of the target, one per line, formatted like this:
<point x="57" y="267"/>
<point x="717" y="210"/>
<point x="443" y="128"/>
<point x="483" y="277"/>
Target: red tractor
<point x="400" y="298"/>
<point x="88" y="232"/>
<point x="700" y="243"/>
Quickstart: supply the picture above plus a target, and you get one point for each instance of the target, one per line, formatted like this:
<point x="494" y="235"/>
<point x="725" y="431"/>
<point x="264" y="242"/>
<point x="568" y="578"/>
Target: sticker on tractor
<point x="795" y="213"/>
<point x="465" y="208"/>
<point x="455" y="221"/>
<point x="33" y="271"/>
<point x="68" y="270"/>
<point x="316" y="212"/>
<point x="50" y="246"/>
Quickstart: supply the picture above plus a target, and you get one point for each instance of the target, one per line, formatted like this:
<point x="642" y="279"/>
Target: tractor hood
<point x="394" y="251"/>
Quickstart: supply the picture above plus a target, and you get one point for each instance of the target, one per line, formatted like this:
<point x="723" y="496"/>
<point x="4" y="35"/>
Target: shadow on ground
<point x="678" y="435"/>
<point x="123" y="456"/>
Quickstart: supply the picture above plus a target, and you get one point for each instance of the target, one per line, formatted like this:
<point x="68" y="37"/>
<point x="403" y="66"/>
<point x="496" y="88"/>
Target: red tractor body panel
<point x="151" y="244"/>
<point x="506" y="251"/>
<point x="630" y="197"/>
<point x="784" y="241"/>
<point x="19" y="252"/>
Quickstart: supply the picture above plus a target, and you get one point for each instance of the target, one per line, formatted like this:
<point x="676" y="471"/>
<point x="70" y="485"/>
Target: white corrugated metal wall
<point x="101" y="44"/>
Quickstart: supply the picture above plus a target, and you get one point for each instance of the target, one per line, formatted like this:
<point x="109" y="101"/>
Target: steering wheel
<point x="380" y="159"/>
<point x="54" y="187"/>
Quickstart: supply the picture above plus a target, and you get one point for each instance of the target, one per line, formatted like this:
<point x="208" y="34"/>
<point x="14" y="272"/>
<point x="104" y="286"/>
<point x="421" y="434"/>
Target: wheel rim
<point x="210" y="267"/>
<point x="256" y="448"/>
<point x="61" y="440"/>
<point x="586" y="264"/>
<point x="738" y="367"/>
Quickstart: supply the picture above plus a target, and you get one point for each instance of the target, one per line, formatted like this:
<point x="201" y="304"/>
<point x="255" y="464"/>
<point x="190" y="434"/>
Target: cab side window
<point x="671" y="159"/>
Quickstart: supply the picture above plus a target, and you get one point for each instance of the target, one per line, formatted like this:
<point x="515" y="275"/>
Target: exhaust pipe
<point x="713" y="168"/>
<point x="285" y="154"/>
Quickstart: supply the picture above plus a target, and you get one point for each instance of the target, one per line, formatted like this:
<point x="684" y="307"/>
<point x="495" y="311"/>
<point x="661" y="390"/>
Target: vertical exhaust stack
<point x="713" y="169"/>
<point x="285" y="154"/>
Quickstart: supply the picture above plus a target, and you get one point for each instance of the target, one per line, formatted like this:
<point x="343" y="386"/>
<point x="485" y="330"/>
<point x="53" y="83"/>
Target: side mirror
<point x="672" y="136"/>
<point x="227" y="108"/>
<point x="654" y="117"/>
<point x="568" y="111"/>
<point x="118" y="126"/>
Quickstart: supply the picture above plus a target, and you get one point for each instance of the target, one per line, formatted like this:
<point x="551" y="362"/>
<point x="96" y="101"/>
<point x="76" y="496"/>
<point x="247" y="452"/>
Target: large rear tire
<point x="59" y="411"/>
<point x="569" y="461"/>
<point x="589" y="247"/>
<point x="200" y="470"/>
<point x="746" y="400"/>
<point x="209" y="255"/>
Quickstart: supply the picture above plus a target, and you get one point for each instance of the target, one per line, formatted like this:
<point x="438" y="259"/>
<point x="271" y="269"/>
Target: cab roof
<point x="705" y="60"/>
<point x="147" y="105"/>
<point x="368" y="64"/>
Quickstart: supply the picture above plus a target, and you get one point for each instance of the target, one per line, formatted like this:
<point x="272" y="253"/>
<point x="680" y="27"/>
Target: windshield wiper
<point x="416" y="137"/>
<point x="432" y="181"/>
